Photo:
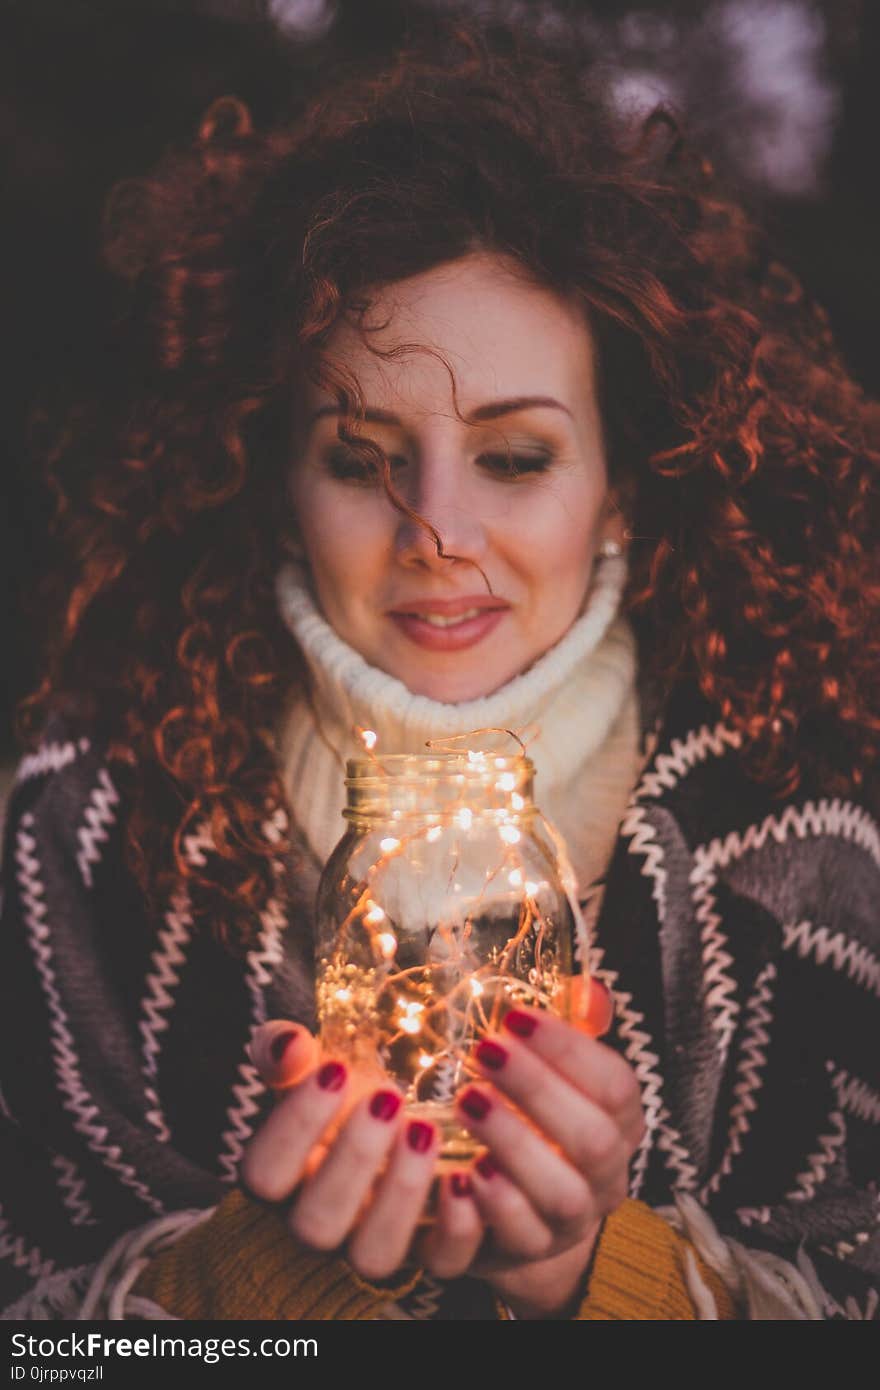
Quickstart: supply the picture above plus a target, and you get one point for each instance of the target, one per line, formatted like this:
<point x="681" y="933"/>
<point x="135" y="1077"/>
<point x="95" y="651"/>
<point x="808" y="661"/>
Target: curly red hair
<point x="733" y="429"/>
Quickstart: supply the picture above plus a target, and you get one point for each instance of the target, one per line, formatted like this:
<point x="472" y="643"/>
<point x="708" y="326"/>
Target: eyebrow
<point x="490" y="411"/>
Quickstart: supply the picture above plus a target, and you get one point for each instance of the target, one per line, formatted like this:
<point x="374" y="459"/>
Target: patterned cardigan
<point x="738" y="934"/>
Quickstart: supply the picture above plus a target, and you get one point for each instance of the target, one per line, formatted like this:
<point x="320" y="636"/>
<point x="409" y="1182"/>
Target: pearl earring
<point x="610" y="549"/>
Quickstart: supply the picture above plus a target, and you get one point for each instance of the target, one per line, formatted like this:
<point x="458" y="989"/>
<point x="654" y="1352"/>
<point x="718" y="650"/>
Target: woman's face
<point x="523" y="372"/>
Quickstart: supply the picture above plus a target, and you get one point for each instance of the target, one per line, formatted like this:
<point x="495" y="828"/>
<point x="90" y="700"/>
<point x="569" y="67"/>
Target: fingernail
<point x="385" y="1105"/>
<point x="605" y="996"/>
<point x="331" y="1077"/>
<point x="280" y="1043"/>
<point x="598" y="1014"/>
<point x="523" y="1025"/>
<point x="419" y="1136"/>
<point x="491" y="1054"/>
<point x="461" y="1185"/>
<point x="486" y="1166"/>
<point x="475" y="1104"/>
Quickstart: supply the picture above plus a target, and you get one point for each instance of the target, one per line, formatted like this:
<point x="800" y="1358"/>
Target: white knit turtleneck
<point x="577" y="705"/>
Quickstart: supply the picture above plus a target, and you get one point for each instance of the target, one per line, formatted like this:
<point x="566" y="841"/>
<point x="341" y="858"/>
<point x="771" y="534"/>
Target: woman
<point x="449" y="407"/>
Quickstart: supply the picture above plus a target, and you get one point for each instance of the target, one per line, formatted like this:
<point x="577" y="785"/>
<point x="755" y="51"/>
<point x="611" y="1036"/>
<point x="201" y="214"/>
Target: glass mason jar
<point x="441" y="907"/>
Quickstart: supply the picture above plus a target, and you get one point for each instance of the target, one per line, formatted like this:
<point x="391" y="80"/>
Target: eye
<point x="515" y="465"/>
<point x="349" y="467"/>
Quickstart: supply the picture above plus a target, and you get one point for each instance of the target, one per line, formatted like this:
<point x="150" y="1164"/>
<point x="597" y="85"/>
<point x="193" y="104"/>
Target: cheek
<point x="553" y="527"/>
<point x="345" y="541"/>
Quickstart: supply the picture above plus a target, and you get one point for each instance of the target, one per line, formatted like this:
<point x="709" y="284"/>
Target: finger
<point x="561" y="1195"/>
<point x="592" y="1067"/>
<point x="330" y="1199"/>
<point x="448" y="1248"/>
<point x="591" y="1139"/>
<point x="518" y="1232"/>
<point x="275" y="1157"/>
<point x="283" y="1052"/>
<point x="383" y="1237"/>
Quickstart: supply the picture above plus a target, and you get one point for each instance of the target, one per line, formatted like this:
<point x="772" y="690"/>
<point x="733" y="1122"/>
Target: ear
<point x="613" y="522"/>
<point x="292" y="543"/>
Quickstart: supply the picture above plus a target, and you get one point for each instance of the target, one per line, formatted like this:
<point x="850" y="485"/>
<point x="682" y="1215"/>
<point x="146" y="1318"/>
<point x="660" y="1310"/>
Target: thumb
<point x="283" y="1052"/>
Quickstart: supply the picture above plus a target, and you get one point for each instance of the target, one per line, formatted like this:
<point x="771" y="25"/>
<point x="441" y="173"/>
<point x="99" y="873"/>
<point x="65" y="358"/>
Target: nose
<point x="438" y="495"/>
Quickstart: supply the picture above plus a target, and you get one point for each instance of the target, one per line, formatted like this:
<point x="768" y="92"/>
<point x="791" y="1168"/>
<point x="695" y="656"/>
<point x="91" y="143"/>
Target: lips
<point x="444" y="620"/>
<point x="449" y="624"/>
<point x="448" y="607"/>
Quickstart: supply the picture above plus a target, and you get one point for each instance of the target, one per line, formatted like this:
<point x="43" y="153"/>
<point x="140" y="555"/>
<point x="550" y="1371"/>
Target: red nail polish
<point x="523" y="1025"/>
<point x="384" y="1105"/>
<point x="601" y="1007"/>
<point x="331" y="1077"/>
<point x="419" y="1136"/>
<point x="491" y="1054"/>
<point x="486" y="1166"/>
<point x="475" y="1104"/>
<point x="461" y="1185"/>
<point x="280" y="1043"/>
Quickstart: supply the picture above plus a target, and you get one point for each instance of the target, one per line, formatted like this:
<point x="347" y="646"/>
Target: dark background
<point x="782" y="93"/>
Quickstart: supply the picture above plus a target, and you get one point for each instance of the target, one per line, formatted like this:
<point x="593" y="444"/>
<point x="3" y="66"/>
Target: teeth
<point x="438" y="620"/>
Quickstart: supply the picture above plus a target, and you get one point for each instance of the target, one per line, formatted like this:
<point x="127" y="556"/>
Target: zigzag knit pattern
<point x="738" y="935"/>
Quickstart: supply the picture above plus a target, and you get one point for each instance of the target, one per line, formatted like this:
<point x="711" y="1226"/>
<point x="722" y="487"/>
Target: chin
<point x="452" y="688"/>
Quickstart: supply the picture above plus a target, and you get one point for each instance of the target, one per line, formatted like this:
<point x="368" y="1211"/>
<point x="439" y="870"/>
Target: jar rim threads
<point x="416" y="785"/>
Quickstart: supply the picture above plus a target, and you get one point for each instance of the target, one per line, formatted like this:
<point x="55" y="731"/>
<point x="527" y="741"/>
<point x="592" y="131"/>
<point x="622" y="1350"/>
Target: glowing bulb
<point x="476" y="988"/>
<point x="506" y="782"/>
<point x="515" y="878"/>
<point x="516" y="801"/>
<point x="434" y="833"/>
<point x="369" y="738"/>
<point x="387" y="943"/>
<point x="411" y="1023"/>
<point x="343" y="995"/>
<point x="499" y="762"/>
<point x="465" y="818"/>
<point x="509" y="833"/>
<point x="532" y="887"/>
<point x="425" y="1059"/>
<point x="476" y="757"/>
<point x="389" y="844"/>
<point x="375" y="915"/>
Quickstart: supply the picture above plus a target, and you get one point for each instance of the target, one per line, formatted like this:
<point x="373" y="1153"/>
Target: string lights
<point x="448" y="900"/>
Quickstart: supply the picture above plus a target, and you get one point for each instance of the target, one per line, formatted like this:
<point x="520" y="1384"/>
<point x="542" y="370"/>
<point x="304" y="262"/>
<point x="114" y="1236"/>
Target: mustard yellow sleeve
<point x="639" y="1273"/>
<point x="244" y="1263"/>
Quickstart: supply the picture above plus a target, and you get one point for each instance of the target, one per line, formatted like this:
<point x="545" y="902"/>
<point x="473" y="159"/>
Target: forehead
<point x="499" y="335"/>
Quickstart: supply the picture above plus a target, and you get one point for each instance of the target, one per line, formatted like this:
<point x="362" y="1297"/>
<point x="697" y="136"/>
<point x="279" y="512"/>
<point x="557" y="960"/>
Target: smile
<point x="448" y="631"/>
<point x="444" y="620"/>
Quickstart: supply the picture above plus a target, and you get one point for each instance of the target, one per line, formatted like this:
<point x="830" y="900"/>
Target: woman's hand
<point x="358" y="1170"/>
<point x="561" y="1118"/>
